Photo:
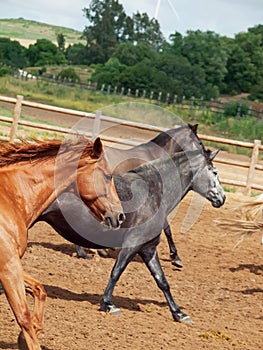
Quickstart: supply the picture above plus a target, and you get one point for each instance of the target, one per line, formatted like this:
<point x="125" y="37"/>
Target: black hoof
<point x="22" y="342"/>
<point x="176" y="261"/>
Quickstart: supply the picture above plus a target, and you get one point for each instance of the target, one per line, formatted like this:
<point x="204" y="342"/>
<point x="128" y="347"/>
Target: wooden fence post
<point x="96" y="125"/>
<point x="251" y="170"/>
<point x="16" y="117"/>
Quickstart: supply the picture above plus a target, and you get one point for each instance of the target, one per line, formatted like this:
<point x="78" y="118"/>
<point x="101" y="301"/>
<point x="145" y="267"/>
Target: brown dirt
<point x="221" y="288"/>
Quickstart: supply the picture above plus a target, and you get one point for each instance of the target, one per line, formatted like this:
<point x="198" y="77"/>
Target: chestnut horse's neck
<point x="33" y="187"/>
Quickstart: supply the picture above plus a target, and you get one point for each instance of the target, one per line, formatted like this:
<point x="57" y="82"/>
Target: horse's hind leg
<point x="11" y="276"/>
<point x="81" y="254"/>
<point x="151" y="259"/>
<point x="173" y="251"/>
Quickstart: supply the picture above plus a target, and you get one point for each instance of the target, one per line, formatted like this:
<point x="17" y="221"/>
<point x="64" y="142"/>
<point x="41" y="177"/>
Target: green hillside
<point x="27" y="32"/>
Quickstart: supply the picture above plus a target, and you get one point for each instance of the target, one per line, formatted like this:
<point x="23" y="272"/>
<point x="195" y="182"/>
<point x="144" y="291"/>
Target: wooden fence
<point x="252" y="166"/>
<point x="194" y="104"/>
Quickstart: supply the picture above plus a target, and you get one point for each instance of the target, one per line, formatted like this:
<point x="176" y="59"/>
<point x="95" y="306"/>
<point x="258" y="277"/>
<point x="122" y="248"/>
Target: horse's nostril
<point x="121" y="217"/>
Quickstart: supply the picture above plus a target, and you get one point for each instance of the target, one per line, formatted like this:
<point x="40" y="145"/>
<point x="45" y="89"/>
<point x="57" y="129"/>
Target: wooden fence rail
<point x="252" y="166"/>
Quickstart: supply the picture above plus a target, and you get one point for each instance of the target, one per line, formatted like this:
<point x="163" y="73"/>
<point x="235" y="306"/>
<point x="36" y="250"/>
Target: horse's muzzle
<point x="113" y="221"/>
<point x="218" y="202"/>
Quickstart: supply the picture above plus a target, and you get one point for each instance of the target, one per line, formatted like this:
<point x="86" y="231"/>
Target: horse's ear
<point x="193" y="128"/>
<point x="213" y="154"/>
<point x="97" y="147"/>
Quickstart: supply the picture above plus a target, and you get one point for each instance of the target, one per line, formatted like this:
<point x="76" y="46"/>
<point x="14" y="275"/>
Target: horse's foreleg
<point x="123" y="259"/>
<point x="37" y="290"/>
<point x="173" y="251"/>
<point x="11" y="276"/>
<point x="150" y="257"/>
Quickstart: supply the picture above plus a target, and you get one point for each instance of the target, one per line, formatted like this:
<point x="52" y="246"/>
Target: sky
<point x="225" y="17"/>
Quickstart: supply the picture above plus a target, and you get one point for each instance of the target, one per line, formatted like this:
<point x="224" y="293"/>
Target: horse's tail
<point x="242" y="228"/>
<point x="238" y="226"/>
<point x="251" y="209"/>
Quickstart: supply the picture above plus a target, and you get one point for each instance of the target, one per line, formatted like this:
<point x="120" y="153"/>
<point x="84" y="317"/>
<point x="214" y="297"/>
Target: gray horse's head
<point x="205" y="180"/>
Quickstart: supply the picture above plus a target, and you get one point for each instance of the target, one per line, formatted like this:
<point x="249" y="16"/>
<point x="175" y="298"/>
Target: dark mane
<point x="162" y="138"/>
<point x="35" y="150"/>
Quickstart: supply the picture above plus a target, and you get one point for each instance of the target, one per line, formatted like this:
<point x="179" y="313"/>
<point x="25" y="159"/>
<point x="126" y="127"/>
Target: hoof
<point x="181" y="317"/>
<point x="111" y="309"/>
<point x="177" y="263"/>
<point x="103" y="253"/>
<point x="84" y="256"/>
<point x="186" y="319"/>
<point x="114" y="310"/>
<point x="22" y="342"/>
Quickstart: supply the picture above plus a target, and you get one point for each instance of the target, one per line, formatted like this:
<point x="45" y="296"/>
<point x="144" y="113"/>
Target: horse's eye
<point x="215" y="171"/>
<point x="108" y="177"/>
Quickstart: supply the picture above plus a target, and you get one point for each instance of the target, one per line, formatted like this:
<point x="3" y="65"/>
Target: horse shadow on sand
<point x="70" y="250"/>
<point x="256" y="269"/>
<point x="65" y="248"/>
<point x="56" y="292"/>
<point x="8" y="346"/>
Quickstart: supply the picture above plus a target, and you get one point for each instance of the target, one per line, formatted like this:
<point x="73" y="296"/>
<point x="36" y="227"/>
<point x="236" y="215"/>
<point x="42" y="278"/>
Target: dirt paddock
<point x="221" y="288"/>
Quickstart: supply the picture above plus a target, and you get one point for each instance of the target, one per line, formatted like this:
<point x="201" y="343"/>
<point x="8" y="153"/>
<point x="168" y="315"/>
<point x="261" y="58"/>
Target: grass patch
<point x="20" y="28"/>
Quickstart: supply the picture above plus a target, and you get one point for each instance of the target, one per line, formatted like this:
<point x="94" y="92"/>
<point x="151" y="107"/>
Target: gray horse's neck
<point x="173" y="176"/>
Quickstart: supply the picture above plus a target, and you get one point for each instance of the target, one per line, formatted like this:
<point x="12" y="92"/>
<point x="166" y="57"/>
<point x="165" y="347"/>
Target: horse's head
<point x="97" y="190"/>
<point x="205" y="178"/>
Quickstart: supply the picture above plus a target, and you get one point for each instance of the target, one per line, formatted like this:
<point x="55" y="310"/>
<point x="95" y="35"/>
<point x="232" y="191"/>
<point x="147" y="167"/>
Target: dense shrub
<point x="236" y="109"/>
<point x="69" y="74"/>
<point x="5" y="71"/>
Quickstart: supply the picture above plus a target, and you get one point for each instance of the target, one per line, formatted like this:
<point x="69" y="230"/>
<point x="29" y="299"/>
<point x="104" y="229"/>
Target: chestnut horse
<point x="32" y="175"/>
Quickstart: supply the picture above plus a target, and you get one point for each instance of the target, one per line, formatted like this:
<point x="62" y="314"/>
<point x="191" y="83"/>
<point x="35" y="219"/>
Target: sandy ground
<point x="221" y="288"/>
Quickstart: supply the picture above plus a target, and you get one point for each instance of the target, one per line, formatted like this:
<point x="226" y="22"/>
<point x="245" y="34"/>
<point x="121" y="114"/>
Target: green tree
<point x="146" y="30"/>
<point x="245" y="62"/>
<point x="190" y="78"/>
<point x="130" y="54"/>
<point x="176" y="44"/>
<point x="258" y="29"/>
<point x="207" y="50"/>
<point x="108" y="73"/>
<point x="77" y="54"/>
<point x="61" y="41"/>
<point x="12" y="53"/>
<point x="106" y="29"/>
<point x="144" y="77"/>
<point x="44" y="52"/>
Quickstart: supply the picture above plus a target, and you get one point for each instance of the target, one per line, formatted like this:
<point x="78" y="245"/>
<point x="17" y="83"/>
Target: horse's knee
<point x="24" y="320"/>
<point x="37" y="290"/>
